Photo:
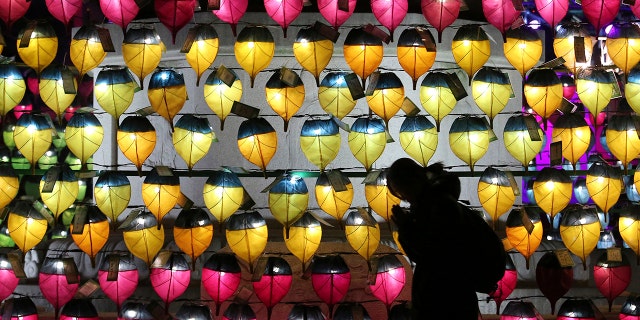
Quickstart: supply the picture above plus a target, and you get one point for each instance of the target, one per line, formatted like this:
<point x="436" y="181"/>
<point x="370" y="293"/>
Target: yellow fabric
<point x="363" y="59"/>
<point x="415" y="61"/>
<point x="420" y="145"/>
<point x="630" y="233"/>
<point x="220" y="98"/>
<point x="39" y="53"/>
<point x="320" y="150"/>
<point x="604" y="192"/>
<point x="469" y="146"/>
<point x="11" y="93"/>
<point x="581" y="240"/>
<point x="53" y="95"/>
<point x="146" y="243"/>
<point x="115" y="99"/>
<point x="520" y="146"/>
<point x="9" y="187"/>
<point x="192" y="146"/>
<point x="222" y="202"/>
<point x="624" y="145"/>
<point x="142" y="59"/>
<point x="495" y="199"/>
<point x="93" y="237"/>
<point x="160" y="198"/>
<point x="136" y="146"/>
<point x="490" y="97"/>
<point x="380" y="200"/>
<point x="386" y="102"/>
<point x="285" y="101"/>
<point x="303" y="242"/>
<point x="552" y="197"/>
<point x="363" y="239"/>
<point x="544" y="100"/>
<point x="62" y="196"/>
<point x="313" y="56"/>
<point x="248" y="244"/>
<point x="575" y="142"/>
<point x="253" y="57"/>
<point x="524" y="242"/>
<point x="367" y="148"/>
<point x="438" y="102"/>
<point x="286" y="208"/>
<point x="632" y="94"/>
<point x="112" y="201"/>
<point x="593" y="95"/>
<point x="336" y="101"/>
<point x="259" y="149"/>
<point x="193" y="241"/>
<point x="168" y="101"/>
<point x="201" y="56"/>
<point x="471" y="55"/>
<point x="522" y="54"/>
<point x="26" y="232"/>
<point x="565" y="48"/>
<point x="86" y="54"/>
<point x="334" y="203"/>
<point x="84" y="141"/>
<point x="624" y="52"/>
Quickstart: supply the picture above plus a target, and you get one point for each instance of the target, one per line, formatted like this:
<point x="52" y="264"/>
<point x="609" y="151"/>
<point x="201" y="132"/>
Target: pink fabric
<point x="174" y="14"/>
<point x="600" y="12"/>
<point x="169" y="284"/>
<point x="271" y="289"/>
<point x="611" y="282"/>
<point x="64" y="10"/>
<point x="440" y="13"/>
<point x="56" y="289"/>
<point x="122" y="288"/>
<point x="283" y="11"/>
<point x="120" y="12"/>
<point x="506" y="285"/>
<point x="63" y="317"/>
<point x="500" y="13"/>
<point x="12" y="10"/>
<point x="331" y="288"/>
<point x="231" y="11"/>
<point x="552" y="11"/>
<point x="8" y="283"/>
<point x="220" y="285"/>
<point x="330" y="11"/>
<point x="390" y="13"/>
<point x="388" y="285"/>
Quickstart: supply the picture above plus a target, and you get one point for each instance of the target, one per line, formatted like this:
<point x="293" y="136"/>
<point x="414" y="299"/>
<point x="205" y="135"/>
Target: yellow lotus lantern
<point x="469" y="139"/>
<point x="522" y="48"/>
<point x="387" y="96"/>
<point x="220" y="97"/>
<point x="623" y="45"/>
<point x="320" y="141"/>
<point x="285" y="98"/>
<point x="521" y="143"/>
<point x="622" y="138"/>
<point x="142" y="50"/>
<point x="334" y="95"/>
<point x="86" y="50"/>
<point x="575" y="135"/>
<point x="572" y="41"/>
<point x="580" y="232"/>
<point x="334" y="198"/>
<point x="414" y="56"/>
<point x="40" y="47"/>
<point x="312" y="51"/>
<point x="552" y="190"/>
<point x="254" y="49"/>
<point x="363" y="52"/>
<point x="202" y="51"/>
<point x="543" y="92"/>
<point x="491" y="90"/>
<point x="418" y="138"/>
<point x="495" y="193"/>
<point x="470" y="48"/>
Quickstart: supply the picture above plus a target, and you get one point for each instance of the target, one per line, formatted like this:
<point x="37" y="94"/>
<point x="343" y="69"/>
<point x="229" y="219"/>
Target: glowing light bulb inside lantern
<point x="157" y="189"/>
<point x="277" y="96"/>
<point x="494" y="180"/>
<point x="418" y="134"/>
<point x="582" y="220"/>
<point x="549" y="185"/>
<point x="600" y="179"/>
<point x="250" y="44"/>
<point x="466" y="43"/>
<point x="473" y="137"/>
<point x="340" y="81"/>
<point x="357" y="221"/>
<point x="316" y="132"/>
<point x="370" y="131"/>
<point x="522" y="45"/>
<point x="31" y="128"/>
<point x="132" y="136"/>
<point x="326" y="188"/>
<point x="101" y="87"/>
<point x="218" y="192"/>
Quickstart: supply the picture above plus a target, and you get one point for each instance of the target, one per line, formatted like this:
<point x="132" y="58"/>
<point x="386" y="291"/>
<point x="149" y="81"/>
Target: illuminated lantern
<point x="552" y="190"/>
<point x="9" y="185"/>
<point x="622" y="138"/>
<point x="192" y="310"/>
<point x="500" y="13"/>
<point x="363" y="233"/>
<point x="335" y="12"/>
<point x="387" y="96"/>
<point x="334" y="95"/>
<point x="506" y="285"/>
<point x="604" y="184"/>
<point x="192" y="138"/>
<point x="363" y="52"/>
<point x="436" y="97"/>
<point x="285" y="99"/>
<point x="12" y="87"/>
<point x="53" y="90"/>
<point x="144" y="237"/>
<point x="79" y="309"/>
<point x="220" y="97"/>
<point x="283" y="11"/>
<point x="26" y="225"/>
<point x="56" y="287"/>
<point x="525" y="242"/>
<point x="64" y="191"/>
<point x="193" y="232"/>
<point x="84" y="135"/>
<point x="519" y="142"/>
<point x="320" y="141"/>
<point x="121" y="282"/>
<point x="495" y="193"/>
<point x="577" y="308"/>
<point x="304" y="238"/>
<point x="9" y="281"/>
<point x="440" y="13"/>
<point x="239" y="311"/>
<point x="330" y="278"/>
<point x="170" y="278"/>
<point x="575" y="135"/>
<point x="491" y="90"/>
<point x="136" y="139"/>
<point x="523" y="48"/>
<point x="543" y="92"/>
<point x="13" y="11"/>
<point x="247" y="234"/>
<point x="174" y="14"/>
<point x="564" y="45"/>
<point x="257" y="141"/>
<point x="288" y="200"/>
<point x="552" y="11"/>
<point x="553" y="280"/>
<point x="367" y="140"/>
<point x="630" y="309"/>
<point x="22" y="308"/>
<point x="223" y="194"/>
<point x="390" y="280"/>
<point x="470" y="48"/>
<point x="312" y="51"/>
<point x="274" y="284"/>
<point x="231" y="11"/>
<point x="611" y="277"/>
<point x="418" y="138"/>
<point x="622" y="45"/>
<point x="379" y="197"/>
<point x="629" y="226"/>
<point x="413" y="55"/>
<point x="469" y="139"/>
<point x="86" y="50"/>
<point x="112" y="192"/>
<point x="142" y="50"/>
<point x="521" y="310"/>
<point x="390" y="13"/>
<point x="38" y="50"/>
<point x="600" y="12"/>
<point x="254" y="49"/>
<point x="221" y="276"/>
<point x="64" y="10"/>
<point x="335" y="200"/>
<point x="632" y="88"/>
<point x="120" y="12"/>
<point x="203" y="50"/>
<point x="114" y="90"/>
<point x="595" y="88"/>
<point x="306" y="312"/>
<point x="167" y="93"/>
<point x="94" y="233"/>
<point x="160" y="193"/>
<point x="580" y="231"/>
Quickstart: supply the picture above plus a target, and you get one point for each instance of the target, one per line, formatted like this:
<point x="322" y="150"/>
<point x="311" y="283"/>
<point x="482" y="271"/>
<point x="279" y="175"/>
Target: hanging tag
<point x="243" y="295"/>
<point x="578" y="48"/>
<point x="335" y="179"/>
<point x="243" y="110"/>
<point x="288" y="77"/>
<point x="26" y="36"/>
<point x="373" y="83"/>
<point x="7" y="309"/>
<point x="247" y="201"/>
<point x="340" y="124"/>
<point x="114" y="267"/>
<point x="532" y="127"/>
<point x="38" y="205"/>
<point x="552" y="64"/>
<point x="513" y="183"/>
<point x="616" y="85"/>
<point x="70" y="270"/>
<point x="79" y="219"/>
<point x="15" y="259"/>
<point x="146" y="111"/>
<point x="492" y="135"/>
<point x="213" y="5"/>
<point x="188" y="42"/>
<point x="526" y="221"/>
<point x="555" y="153"/>
<point x="315" y="215"/>
<point x="564" y="257"/>
<point x="629" y="2"/>
<point x="409" y="107"/>
<point x="506" y="244"/>
<point x="427" y="39"/>
<point x="161" y="259"/>
<point x="67" y="81"/>
<point x="185" y="202"/>
<point x="567" y="106"/>
<point x="129" y="220"/>
<point x="389" y="138"/>
<point x="455" y="85"/>
<point x="85" y="174"/>
<point x="225" y="75"/>
<point x="258" y="270"/>
<point x="87" y="289"/>
<point x="326" y="31"/>
<point x="355" y="88"/>
<point x="273" y="183"/>
<point x="105" y="39"/>
<point x="366" y="217"/>
<point x="371" y="177"/>
<point x="164" y="171"/>
<point x="50" y="178"/>
<point x="377" y="32"/>
<point x="343" y="5"/>
<point x="519" y="22"/>
<point x="614" y="254"/>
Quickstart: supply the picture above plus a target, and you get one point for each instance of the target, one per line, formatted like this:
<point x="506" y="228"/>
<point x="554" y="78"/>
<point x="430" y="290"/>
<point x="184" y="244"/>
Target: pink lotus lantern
<point x="230" y="11"/>
<point x="79" y="309"/>
<point x="500" y="13"/>
<point x="390" y="279"/>
<point x="174" y="14"/>
<point x="120" y="12"/>
<point x="552" y="11"/>
<point x="12" y="10"/>
<point x="170" y="278"/>
<point x="506" y="285"/>
<point x="64" y="10"/>
<point x="221" y="276"/>
<point x="330" y="278"/>
<point x="600" y="12"/>
<point x="611" y="277"/>
<point x="119" y="283"/>
<point x="22" y="308"/>
<point x="283" y="11"/>
<point x="390" y="13"/>
<point x="274" y="283"/>
<point x="334" y="12"/>
<point x="8" y="279"/>
<point x="56" y="286"/>
<point x="440" y="13"/>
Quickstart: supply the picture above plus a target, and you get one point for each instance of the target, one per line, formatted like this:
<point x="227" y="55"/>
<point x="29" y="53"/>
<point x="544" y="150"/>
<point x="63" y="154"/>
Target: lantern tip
<point x="286" y="125"/>
<point x="221" y="124"/>
<point x="234" y="29"/>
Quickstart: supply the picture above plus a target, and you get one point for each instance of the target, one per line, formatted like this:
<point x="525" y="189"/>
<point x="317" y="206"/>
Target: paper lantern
<point x="79" y="309"/>
<point x="257" y="141"/>
<point x="387" y="96"/>
<point x="491" y="90"/>
<point x="363" y="52"/>
<point x="470" y="48"/>
<point x="595" y="88"/>
<point x="306" y="312"/>
<point x="501" y="14"/>
<point x="9" y="185"/>
<point x="118" y="278"/>
<point x="84" y="135"/>
<point x="223" y="194"/>
<point x="611" y="277"/>
<point x="577" y="308"/>
<point x="564" y="45"/>
<point x="363" y="233"/>
<point x="288" y="200"/>
<point x="575" y="134"/>
<point x="94" y="233"/>
<point x="390" y="13"/>
<point x="518" y="140"/>
<point x="622" y="46"/>
<point x="629" y="226"/>
<point x="144" y="237"/>
<point x="379" y="197"/>
<point x="274" y="284"/>
<point x="347" y="311"/>
<point x="543" y="92"/>
<point x="195" y="311"/>
<point x="601" y="12"/>
<point x="203" y="50"/>
<point x="114" y="90"/>
<point x="622" y="138"/>
<point x="285" y="98"/>
<point x="334" y="95"/>
<point x="312" y="51"/>
<point x="22" y="308"/>
<point x="520" y="310"/>
<point x="246" y="234"/>
<point x="367" y="140"/>
<point x="284" y="12"/>
<point x="221" y="276"/>
<point x="220" y="97"/>
<point x="580" y="231"/>
<point x="167" y="93"/>
<point x="13" y="11"/>
<point x="193" y="232"/>
<point x="330" y="278"/>
<point x="142" y="50"/>
<point x="254" y="49"/>
<point x="239" y="311"/>
<point x="304" y="238"/>
<point x="134" y="310"/>
<point x="440" y="13"/>
<point x="517" y="229"/>
<point x="336" y="12"/>
<point x="170" y="278"/>
<point x="8" y="279"/>
<point x="38" y="50"/>
<point x="120" y="12"/>
<point x="160" y="193"/>
<point x="56" y="287"/>
<point x="553" y="280"/>
<point x="436" y="97"/>
<point x="231" y="11"/>
<point x="12" y="87"/>
<point x="336" y="199"/>
<point x="552" y="190"/>
<point x="136" y="139"/>
<point x="414" y="56"/>
<point x="418" y="138"/>
<point x="64" y="10"/>
<point x="522" y="48"/>
<point x="174" y="14"/>
<point x="469" y="139"/>
<point x="390" y="280"/>
<point x="54" y="87"/>
<point x="604" y="184"/>
<point x="320" y="141"/>
<point x="86" y="50"/>
<point x="64" y="191"/>
<point x="495" y="193"/>
<point x="630" y="310"/>
<point x="192" y="138"/>
<point x="112" y="192"/>
<point x="506" y="285"/>
<point x="552" y="11"/>
<point x="26" y="225"/>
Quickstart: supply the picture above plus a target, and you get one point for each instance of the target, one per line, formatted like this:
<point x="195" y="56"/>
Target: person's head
<point x="408" y="180"/>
